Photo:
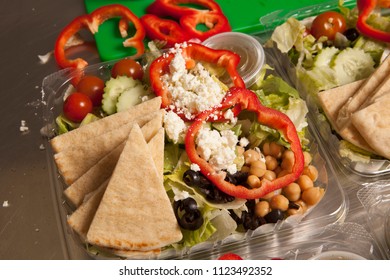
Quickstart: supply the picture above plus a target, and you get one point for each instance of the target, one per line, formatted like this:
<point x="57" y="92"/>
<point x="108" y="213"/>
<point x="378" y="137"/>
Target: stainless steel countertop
<point x="28" y="225"/>
<point x="29" y="219"/>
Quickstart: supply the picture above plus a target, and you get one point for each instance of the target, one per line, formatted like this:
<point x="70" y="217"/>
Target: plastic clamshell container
<point x="367" y="169"/>
<point x="375" y="198"/>
<point x="331" y="209"/>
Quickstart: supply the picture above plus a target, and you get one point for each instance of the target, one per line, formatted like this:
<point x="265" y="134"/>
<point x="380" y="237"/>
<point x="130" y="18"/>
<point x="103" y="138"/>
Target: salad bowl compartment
<point x="331" y="209"/>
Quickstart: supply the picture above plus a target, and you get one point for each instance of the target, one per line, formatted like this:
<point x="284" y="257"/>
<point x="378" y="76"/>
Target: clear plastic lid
<point x="247" y="47"/>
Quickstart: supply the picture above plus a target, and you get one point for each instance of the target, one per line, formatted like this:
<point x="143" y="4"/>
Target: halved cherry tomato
<point x="93" y="87"/>
<point x="328" y="24"/>
<point x="77" y="106"/>
<point x="230" y="256"/>
<point x="127" y="67"/>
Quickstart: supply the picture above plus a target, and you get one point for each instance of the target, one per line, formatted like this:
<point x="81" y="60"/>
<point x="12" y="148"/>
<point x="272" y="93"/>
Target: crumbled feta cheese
<point x="229" y="115"/>
<point x="5" y="203"/>
<point x="219" y="149"/>
<point x="191" y="90"/>
<point x="244" y="142"/>
<point x="181" y="195"/>
<point x="195" y="167"/>
<point x="175" y="127"/>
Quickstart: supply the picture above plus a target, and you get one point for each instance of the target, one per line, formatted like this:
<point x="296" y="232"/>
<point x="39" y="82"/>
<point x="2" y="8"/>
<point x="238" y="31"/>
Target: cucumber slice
<point x="130" y="97"/>
<point x="113" y="89"/>
<point x="351" y="65"/>
<point x="325" y="56"/>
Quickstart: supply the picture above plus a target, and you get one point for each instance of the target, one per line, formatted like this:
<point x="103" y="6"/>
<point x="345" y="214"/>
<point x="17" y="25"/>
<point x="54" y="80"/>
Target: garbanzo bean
<point x="276" y="150"/>
<point x="272" y="194"/>
<point x="251" y="156"/>
<point x="257" y="171"/>
<point x="292" y="192"/>
<point x="253" y="181"/>
<point x="279" y="202"/>
<point x="305" y="182"/>
<point x="266" y="149"/>
<point x="288" y="160"/>
<point x="307" y="158"/>
<point x="312" y="195"/>
<point x="293" y="211"/>
<point x="271" y="162"/>
<point x="269" y="175"/>
<point x="311" y="171"/>
<point x="262" y="208"/>
<point x="283" y="172"/>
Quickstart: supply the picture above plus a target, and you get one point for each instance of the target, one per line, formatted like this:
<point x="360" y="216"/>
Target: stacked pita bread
<point x="359" y="111"/>
<point x="113" y="168"/>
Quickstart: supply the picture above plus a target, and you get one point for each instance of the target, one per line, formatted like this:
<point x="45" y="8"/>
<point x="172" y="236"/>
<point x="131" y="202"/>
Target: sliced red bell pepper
<point x="247" y="100"/>
<point x="165" y="30"/>
<point x="92" y="23"/>
<point x="177" y="8"/>
<point x="192" y="53"/>
<point x="366" y="7"/>
<point x="215" y="23"/>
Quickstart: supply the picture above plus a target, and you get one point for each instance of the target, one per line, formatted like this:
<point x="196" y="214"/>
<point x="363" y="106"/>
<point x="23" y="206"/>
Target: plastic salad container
<point x="332" y="208"/>
<point x="356" y="165"/>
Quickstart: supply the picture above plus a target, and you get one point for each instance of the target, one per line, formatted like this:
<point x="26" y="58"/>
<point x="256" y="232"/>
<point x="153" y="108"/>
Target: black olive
<point x="274" y="216"/>
<point x="191" y="178"/>
<point x="231" y="179"/>
<point x="191" y="220"/>
<point x="189" y="204"/>
<point x="251" y="221"/>
<point x="293" y="205"/>
<point x="352" y="34"/>
<point x="240" y="177"/>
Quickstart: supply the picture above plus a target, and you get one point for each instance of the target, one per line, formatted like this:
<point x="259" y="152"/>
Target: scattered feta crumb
<point x="175" y="127"/>
<point x="23" y="127"/>
<point x="43" y="59"/>
<point x="42" y="147"/>
<point x="244" y="142"/>
<point x="195" y="167"/>
<point x="5" y="203"/>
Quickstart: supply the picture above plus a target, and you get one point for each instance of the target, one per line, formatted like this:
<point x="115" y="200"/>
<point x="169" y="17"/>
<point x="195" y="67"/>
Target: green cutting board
<point x="247" y="16"/>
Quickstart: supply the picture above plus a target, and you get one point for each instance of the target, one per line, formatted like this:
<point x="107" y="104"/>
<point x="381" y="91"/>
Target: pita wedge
<point x="103" y="169"/>
<point x="104" y="125"/>
<point x="383" y="89"/>
<point x="370" y="86"/>
<point x="74" y="162"/>
<point x="135" y="212"/>
<point x="80" y="220"/>
<point x="373" y="122"/>
<point x="333" y="99"/>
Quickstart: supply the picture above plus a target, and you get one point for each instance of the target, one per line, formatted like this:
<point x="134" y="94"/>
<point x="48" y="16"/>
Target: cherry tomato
<point x="328" y="24"/>
<point x="77" y="106"/>
<point x="230" y="256"/>
<point x="127" y="67"/>
<point x="93" y="87"/>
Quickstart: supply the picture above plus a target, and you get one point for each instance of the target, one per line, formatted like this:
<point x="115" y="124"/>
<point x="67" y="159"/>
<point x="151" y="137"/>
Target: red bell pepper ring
<point x="215" y="23"/>
<point x="193" y="52"/>
<point x="177" y="8"/>
<point x="366" y="7"/>
<point x="165" y="30"/>
<point x="247" y="100"/>
<point x="92" y="23"/>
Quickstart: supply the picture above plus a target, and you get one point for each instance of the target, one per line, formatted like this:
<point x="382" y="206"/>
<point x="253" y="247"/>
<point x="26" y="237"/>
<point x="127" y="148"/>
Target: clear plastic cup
<point x="247" y="47"/>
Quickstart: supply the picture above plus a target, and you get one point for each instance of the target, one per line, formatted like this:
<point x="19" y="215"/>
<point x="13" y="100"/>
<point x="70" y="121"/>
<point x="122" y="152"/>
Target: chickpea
<point x="266" y="149"/>
<point x="279" y="202"/>
<point x="307" y="158"/>
<point x="293" y="211"/>
<point x="268" y="196"/>
<point x="288" y="160"/>
<point x="305" y="182"/>
<point x="283" y="173"/>
<point x="312" y="195"/>
<point x="262" y="208"/>
<point x="251" y="156"/>
<point x="240" y="150"/>
<point x="253" y="181"/>
<point x="311" y="171"/>
<point x="245" y="169"/>
<point x="271" y="162"/>
<point x="292" y="192"/>
<point x="276" y="150"/>
<point x="277" y="170"/>
<point x="302" y="205"/>
<point x="269" y="175"/>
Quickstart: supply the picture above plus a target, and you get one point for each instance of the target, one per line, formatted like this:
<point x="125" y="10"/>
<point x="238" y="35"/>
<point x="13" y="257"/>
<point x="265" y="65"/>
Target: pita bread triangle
<point x="104" y="125"/>
<point x="135" y="212"/>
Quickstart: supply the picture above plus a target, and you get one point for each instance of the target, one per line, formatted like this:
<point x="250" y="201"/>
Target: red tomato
<point x="230" y="256"/>
<point x="77" y="106"/>
<point x="93" y="87"/>
<point x="328" y="24"/>
<point x="127" y="67"/>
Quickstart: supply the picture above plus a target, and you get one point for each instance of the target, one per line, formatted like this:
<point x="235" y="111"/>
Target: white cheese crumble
<point x="218" y="148"/>
<point x="175" y="127"/>
<point x="244" y="142"/>
<point x="23" y="127"/>
<point x="5" y="203"/>
<point x="193" y="90"/>
<point x="194" y="167"/>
